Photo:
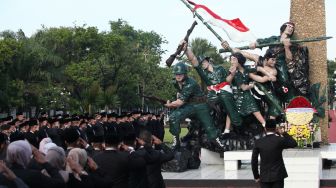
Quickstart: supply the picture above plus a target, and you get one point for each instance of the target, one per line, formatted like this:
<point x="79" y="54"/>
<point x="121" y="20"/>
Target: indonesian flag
<point x="234" y="29"/>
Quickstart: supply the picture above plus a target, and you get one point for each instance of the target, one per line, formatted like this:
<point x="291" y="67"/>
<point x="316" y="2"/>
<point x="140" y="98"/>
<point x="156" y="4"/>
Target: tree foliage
<point x="81" y="69"/>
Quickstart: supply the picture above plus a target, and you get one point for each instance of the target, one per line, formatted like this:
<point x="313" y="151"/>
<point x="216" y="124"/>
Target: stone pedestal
<point x="211" y="158"/>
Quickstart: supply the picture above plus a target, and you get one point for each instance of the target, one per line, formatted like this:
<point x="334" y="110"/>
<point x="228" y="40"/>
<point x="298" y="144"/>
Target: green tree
<point x="95" y="69"/>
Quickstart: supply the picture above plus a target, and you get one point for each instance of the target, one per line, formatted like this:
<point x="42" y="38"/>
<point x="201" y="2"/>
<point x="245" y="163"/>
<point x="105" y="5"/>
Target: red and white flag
<point x="234" y="29"/>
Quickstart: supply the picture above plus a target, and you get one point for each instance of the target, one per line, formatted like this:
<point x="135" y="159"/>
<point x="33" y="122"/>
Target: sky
<point x="169" y="18"/>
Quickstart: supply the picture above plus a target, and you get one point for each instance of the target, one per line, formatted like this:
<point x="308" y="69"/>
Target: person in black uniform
<point x="89" y="127"/>
<point x="114" y="163"/>
<point x="97" y="140"/>
<point x="19" y="116"/>
<point x="72" y="140"/>
<point x="272" y="167"/>
<point x="160" y="128"/>
<point x="138" y="160"/>
<point x="31" y="135"/>
<point x="165" y="154"/>
<point x="43" y="128"/>
<point x="54" y="132"/>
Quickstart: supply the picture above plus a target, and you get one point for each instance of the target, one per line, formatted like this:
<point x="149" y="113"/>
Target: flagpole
<point x="205" y="23"/>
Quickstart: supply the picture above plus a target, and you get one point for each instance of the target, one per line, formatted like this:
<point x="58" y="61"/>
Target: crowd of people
<point x="103" y="150"/>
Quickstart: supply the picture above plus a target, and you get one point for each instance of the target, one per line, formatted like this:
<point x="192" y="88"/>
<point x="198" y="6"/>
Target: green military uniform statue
<point x="261" y="70"/>
<point x="286" y="89"/>
<point x="245" y="102"/>
<point x="219" y="89"/>
<point x="273" y="103"/>
<point x="292" y="64"/>
<point x="191" y="102"/>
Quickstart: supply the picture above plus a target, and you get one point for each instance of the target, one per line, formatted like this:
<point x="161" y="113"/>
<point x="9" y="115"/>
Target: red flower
<point x="299" y="102"/>
<point x="285" y="89"/>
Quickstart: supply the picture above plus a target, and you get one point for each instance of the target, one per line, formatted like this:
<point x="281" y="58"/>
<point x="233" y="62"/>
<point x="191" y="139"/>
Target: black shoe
<point x="225" y="136"/>
<point x="219" y="145"/>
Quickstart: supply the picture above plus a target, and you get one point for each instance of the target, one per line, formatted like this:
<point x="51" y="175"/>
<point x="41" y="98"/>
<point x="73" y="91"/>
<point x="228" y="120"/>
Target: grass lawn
<point x="168" y="138"/>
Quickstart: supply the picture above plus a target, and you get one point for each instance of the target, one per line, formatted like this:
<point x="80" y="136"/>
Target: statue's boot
<point x="176" y="143"/>
<point x="218" y="143"/>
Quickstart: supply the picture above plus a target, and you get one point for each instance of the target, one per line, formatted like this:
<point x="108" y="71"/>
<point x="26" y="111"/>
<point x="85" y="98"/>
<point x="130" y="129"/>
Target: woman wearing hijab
<point x="45" y="144"/>
<point x="56" y="157"/>
<point x="18" y="158"/>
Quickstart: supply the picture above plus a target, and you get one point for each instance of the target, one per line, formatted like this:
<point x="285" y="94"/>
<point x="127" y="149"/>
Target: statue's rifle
<point x="179" y="49"/>
<point x="204" y="22"/>
<point x="154" y="98"/>
<point x="315" y="39"/>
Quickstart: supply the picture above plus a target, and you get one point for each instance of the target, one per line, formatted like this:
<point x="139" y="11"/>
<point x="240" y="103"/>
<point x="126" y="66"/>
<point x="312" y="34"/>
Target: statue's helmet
<point x="180" y="68"/>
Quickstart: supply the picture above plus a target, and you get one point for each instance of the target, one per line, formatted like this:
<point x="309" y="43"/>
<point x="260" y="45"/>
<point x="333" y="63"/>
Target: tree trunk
<point x="309" y="19"/>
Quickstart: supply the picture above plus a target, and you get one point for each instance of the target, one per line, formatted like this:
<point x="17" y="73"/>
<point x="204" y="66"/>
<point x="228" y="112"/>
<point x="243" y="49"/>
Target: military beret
<point x="33" y="122"/>
<point x="75" y="118"/>
<point x="42" y="119"/>
<point x="23" y="124"/>
<point x="9" y="118"/>
<point x="16" y="136"/>
<point x="112" y="138"/>
<point x="71" y="134"/>
<point x="19" y="113"/>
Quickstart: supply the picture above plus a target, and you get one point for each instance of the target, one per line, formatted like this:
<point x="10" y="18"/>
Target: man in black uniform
<point x="270" y="147"/>
<point x="165" y="154"/>
<point x="31" y="135"/>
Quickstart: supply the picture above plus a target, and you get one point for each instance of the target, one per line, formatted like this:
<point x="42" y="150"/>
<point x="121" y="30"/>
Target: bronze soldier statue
<point x="190" y="102"/>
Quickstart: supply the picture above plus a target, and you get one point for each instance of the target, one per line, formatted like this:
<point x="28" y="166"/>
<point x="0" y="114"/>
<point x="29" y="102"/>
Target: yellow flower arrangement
<point x="299" y="114"/>
<point x="300" y="132"/>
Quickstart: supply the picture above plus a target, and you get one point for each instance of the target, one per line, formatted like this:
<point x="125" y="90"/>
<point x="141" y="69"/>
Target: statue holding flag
<point x="237" y="32"/>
